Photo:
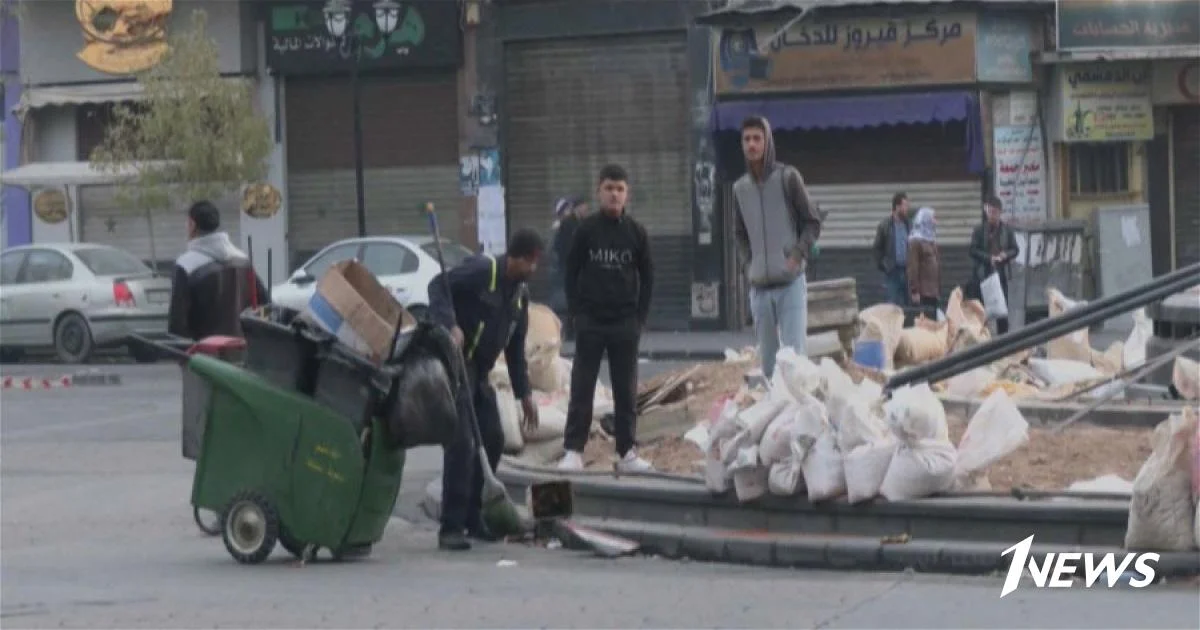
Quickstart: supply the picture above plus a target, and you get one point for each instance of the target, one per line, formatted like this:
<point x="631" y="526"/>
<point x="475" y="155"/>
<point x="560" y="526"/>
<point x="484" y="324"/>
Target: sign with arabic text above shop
<point x="1003" y="47"/>
<point x="834" y="54"/>
<point x="1108" y="24"/>
<point x="427" y="35"/>
<point x="1106" y="102"/>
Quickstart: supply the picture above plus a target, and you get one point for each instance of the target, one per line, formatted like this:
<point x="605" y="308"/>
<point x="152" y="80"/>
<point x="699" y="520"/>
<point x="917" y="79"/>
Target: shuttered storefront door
<point x="573" y="106"/>
<point x="410" y="154"/>
<point x="1185" y="131"/>
<point x="107" y="221"/>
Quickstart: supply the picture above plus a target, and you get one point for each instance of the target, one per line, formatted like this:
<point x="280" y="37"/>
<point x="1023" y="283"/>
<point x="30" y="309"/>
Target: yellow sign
<point x="1106" y="102"/>
<point x="50" y="206"/>
<point x="261" y="200"/>
<point x="833" y="54"/>
<point x="123" y="36"/>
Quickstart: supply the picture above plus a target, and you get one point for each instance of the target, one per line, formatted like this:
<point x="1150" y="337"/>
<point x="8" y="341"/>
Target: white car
<point x="404" y="264"/>
<point x="77" y="297"/>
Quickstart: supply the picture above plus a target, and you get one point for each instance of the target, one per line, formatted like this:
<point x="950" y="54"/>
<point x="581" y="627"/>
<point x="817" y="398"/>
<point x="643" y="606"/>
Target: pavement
<point x="97" y="533"/>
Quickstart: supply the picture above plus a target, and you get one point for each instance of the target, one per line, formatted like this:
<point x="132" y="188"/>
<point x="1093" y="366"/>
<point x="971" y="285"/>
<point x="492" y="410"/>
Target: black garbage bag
<point x="423" y="407"/>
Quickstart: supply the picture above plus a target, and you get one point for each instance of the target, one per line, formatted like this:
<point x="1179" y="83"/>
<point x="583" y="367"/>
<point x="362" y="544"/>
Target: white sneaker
<point x="573" y="460"/>
<point x="632" y="463"/>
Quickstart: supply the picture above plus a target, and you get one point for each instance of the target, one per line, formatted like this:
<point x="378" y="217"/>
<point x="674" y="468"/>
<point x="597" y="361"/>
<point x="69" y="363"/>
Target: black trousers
<point x="929" y="307"/>
<point x="593" y="340"/>
<point x="462" y="476"/>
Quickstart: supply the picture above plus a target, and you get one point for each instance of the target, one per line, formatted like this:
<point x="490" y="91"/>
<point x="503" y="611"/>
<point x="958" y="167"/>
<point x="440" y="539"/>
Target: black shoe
<point x="483" y="534"/>
<point x="453" y="541"/>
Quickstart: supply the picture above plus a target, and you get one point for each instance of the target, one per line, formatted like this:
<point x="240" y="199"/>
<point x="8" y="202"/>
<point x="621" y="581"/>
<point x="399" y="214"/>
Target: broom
<point x="498" y="512"/>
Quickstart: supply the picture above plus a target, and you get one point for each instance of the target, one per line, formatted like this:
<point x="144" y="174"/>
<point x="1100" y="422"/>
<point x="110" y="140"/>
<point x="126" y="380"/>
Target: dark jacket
<point x="924" y="268"/>
<point x="493" y="313"/>
<point x="564" y="236"/>
<point x="981" y="254"/>
<point x="885" y="234"/>
<point x="212" y="284"/>
<point x="610" y="273"/>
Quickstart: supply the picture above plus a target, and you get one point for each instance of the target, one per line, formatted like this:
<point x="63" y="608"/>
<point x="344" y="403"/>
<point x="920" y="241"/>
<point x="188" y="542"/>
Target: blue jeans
<point x="895" y="283"/>
<point x="780" y="319"/>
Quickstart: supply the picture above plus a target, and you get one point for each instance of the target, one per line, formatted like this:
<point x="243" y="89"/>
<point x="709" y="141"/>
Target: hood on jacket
<point x="216" y="246"/>
<point x="923" y="226"/>
<point x="768" y="149"/>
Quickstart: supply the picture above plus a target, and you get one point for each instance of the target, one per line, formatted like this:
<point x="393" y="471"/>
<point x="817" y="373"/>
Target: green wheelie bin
<point x="278" y="466"/>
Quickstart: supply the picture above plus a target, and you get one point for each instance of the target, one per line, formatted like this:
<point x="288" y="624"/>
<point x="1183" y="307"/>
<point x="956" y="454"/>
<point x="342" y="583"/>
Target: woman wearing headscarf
<point x="924" y="263"/>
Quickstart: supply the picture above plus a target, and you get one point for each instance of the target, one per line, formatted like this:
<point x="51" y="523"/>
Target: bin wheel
<point x="211" y="526"/>
<point x="289" y="543"/>
<point x="351" y="552"/>
<point x="250" y="527"/>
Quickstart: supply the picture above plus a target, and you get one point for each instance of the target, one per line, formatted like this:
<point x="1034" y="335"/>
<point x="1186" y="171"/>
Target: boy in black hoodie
<point x="609" y="281"/>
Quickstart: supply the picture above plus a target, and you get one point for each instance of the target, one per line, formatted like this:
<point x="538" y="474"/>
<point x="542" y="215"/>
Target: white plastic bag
<point x="919" y="469"/>
<point x="969" y="384"/>
<point x="914" y="413"/>
<point x="1161" y="514"/>
<point x="794" y="375"/>
<point x="805" y="417"/>
<point x="750" y="483"/>
<point x="758" y="417"/>
<point x="823" y="469"/>
<point x="995" y="431"/>
<point x="786" y="476"/>
<point x="994" y="300"/>
<point x="724" y="428"/>
<point x="510" y="421"/>
<point x="1185" y="376"/>
<point x="1133" y="353"/>
<point x="865" y="468"/>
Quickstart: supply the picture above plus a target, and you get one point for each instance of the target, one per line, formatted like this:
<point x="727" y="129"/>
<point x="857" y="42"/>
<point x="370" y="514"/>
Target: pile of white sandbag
<point x="1164" y="510"/>
<point x="818" y="433"/>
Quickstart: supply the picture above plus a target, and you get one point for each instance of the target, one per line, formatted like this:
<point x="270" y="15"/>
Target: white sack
<point x="786" y="477"/>
<point x="822" y="468"/>
<point x="510" y="421"/>
<point x="1104" y="484"/>
<point x="1133" y="353"/>
<point x="971" y="383"/>
<point x="805" y="417"/>
<point x="865" y="468"/>
<point x="919" y="469"/>
<point x="833" y="378"/>
<point x="758" y="417"/>
<point x="1185" y="376"/>
<point x="552" y="416"/>
<point x="1066" y="372"/>
<point x="724" y="427"/>
<point x="1161" y="513"/>
<point x="750" y="483"/>
<point x="545" y="370"/>
<point x="914" y="412"/>
<point x="995" y="431"/>
<point x="794" y="375"/>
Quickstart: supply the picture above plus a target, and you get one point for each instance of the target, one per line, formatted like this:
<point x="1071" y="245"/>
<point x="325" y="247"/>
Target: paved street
<point x="97" y="532"/>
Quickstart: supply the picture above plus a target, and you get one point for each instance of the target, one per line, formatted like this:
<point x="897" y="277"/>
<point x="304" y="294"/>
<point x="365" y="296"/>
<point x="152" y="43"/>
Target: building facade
<point x="1124" y="119"/>
<point x="868" y="101"/>
<point x="14" y="203"/>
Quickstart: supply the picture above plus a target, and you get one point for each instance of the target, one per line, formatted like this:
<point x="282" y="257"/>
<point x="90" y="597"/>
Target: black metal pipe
<point x="359" y="186"/>
<point x="270" y="274"/>
<point x="1048" y="329"/>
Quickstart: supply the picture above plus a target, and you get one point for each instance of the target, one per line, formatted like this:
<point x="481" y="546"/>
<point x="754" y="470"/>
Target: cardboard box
<point x="351" y="304"/>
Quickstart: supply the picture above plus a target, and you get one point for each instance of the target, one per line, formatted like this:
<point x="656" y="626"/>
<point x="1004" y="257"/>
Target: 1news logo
<point x="1057" y="569"/>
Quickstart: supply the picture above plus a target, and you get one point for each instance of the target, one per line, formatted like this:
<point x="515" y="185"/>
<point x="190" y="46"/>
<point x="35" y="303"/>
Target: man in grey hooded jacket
<point x="777" y="227"/>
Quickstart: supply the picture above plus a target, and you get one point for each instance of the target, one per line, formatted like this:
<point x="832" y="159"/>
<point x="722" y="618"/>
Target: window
<point x="455" y="253"/>
<point x="1099" y="168"/>
<point x="44" y="265"/>
<point x="319" y="265"/>
<point x="10" y="266"/>
<point x="108" y="261"/>
<point x="387" y="259"/>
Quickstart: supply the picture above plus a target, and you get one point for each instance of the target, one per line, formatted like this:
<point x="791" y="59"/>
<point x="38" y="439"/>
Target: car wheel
<point x="73" y="339"/>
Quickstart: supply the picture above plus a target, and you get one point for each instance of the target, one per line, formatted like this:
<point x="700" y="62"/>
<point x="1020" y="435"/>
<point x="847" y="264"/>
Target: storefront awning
<point x="35" y="97"/>
<point x="848" y="112"/>
<point x="50" y="174"/>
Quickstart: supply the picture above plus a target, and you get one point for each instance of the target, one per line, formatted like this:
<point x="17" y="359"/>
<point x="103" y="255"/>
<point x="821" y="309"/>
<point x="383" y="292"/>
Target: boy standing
<point x="609" y="281"/>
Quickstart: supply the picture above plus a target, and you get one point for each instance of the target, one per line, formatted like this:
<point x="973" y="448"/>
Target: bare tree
<point x="193" y="135"/>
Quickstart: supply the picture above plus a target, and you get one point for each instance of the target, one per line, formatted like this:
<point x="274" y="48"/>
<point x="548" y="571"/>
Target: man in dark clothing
<point x="213" y="281"/>
<point x="487" y="312"/>
<point x="568" y="212"/>
<point x="891" y="250"/>
<point x="610" y="278"/>
<point x="993" y="247"/>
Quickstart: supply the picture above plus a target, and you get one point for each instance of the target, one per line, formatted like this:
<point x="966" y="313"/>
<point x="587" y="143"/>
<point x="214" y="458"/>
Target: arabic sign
<point x="427" y="36"/>
<point x="1003" y="48"/>
<point x="1106" y="102"/>
<point x="1020" y="171"/>
<point x="1127" y="23"/>
<point x="1176" y="82"/>
<point x="822" y="55"/>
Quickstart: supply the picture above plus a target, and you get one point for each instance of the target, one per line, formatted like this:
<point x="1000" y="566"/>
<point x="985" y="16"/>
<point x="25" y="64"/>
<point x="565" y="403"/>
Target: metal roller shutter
<point x="105" y="220"/>
<point x="1185" y="129"/>
<point x="573" y="106"/>
<point x="856" y="209"/>
<point x="410" y="155"/>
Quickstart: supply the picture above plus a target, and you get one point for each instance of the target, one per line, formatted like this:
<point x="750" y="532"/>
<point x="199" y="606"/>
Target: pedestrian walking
<point x="891" y="251"/>
<point x="609" y="282"/>
<point x="777" y="227"/>
<point x="213" y="281"/>
<point x="993" y="248"/>
<point x="924" y="263"/>
<point x="486" y="312"/>
<point x="568" y="212"/>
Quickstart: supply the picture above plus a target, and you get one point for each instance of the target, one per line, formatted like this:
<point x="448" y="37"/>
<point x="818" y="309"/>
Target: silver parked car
<point x="78" y="297"/>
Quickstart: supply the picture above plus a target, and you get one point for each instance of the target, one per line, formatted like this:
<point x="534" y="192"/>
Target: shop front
<point x="409" y="93"/>
<point x="14" y="202"/>
<point x="74" y="71"/>
<point x="1176" y="97"/>
<point x="865" y="107"/>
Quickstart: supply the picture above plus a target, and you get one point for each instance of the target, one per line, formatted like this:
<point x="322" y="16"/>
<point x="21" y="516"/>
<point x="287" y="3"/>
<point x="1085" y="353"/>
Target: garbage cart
<point x="282" y="468"/>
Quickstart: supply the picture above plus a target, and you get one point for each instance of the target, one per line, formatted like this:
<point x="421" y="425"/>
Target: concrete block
<point x="937" y="528"/>
<point x="703" y="544"/>
<point x="757" y="551"/>
<point x="1178" y="564"/>
<point x="802" y="522"/>
<point x="854" y="553"/>
<point x="802" y="552"/>
<point x="866" y="522"/>
<point x="663" y="539"/>
<point x="748" y="516"/>
<point x="924" y="556"/>
<point x="974" y="558"/>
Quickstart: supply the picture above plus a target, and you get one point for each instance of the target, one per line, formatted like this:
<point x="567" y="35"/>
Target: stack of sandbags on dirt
<point x="1164" y="511"/>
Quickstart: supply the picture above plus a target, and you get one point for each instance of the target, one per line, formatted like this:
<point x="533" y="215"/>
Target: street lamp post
<point x="339" y="19"/>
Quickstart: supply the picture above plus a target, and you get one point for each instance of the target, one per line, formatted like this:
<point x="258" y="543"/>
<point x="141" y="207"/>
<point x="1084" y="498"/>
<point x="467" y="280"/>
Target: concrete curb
<point x="1039" y="413"/>
<point x="846" y="553"/>
<point x="28" y="382"/>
